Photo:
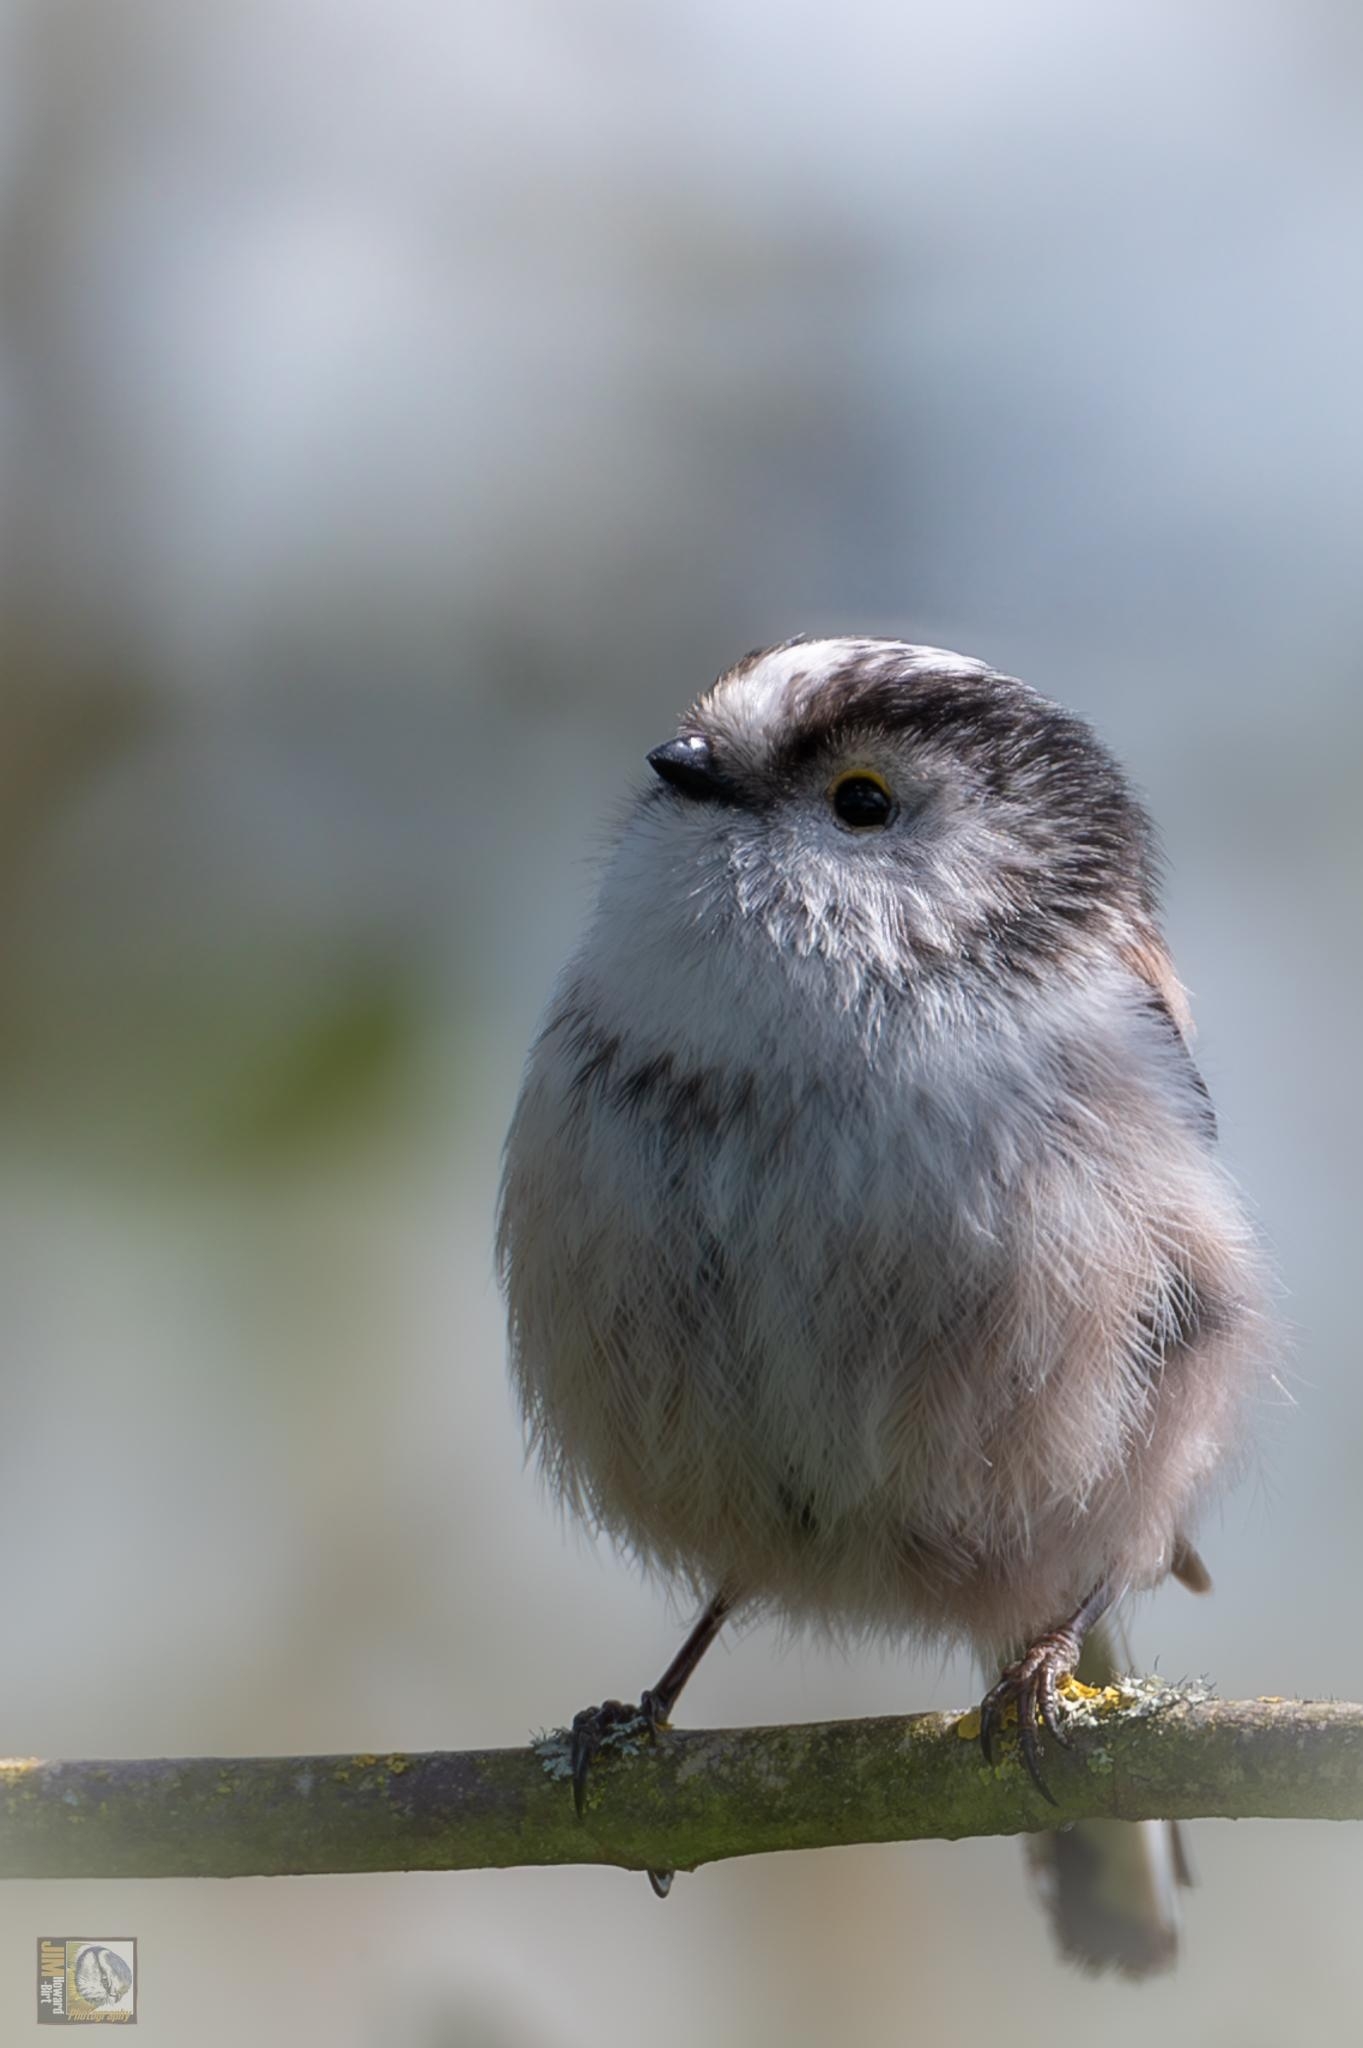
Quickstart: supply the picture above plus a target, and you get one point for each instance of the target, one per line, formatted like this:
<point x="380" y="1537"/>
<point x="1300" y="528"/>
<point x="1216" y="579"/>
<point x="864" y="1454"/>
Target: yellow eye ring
<point x="862" y="800"/>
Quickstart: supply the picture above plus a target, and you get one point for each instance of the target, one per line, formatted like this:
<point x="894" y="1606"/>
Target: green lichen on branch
<point x="1138" y="1752"/>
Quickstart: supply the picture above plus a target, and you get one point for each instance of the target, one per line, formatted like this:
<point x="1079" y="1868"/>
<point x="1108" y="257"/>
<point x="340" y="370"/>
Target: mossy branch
<point x="692" y="1797"/>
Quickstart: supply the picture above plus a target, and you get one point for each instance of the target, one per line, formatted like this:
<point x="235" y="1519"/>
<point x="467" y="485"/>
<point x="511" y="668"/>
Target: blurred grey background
<point x="404" y="408"/>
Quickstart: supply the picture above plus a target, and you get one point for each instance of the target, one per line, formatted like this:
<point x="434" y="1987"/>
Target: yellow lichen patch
<point x="364" y="1761"/>
<point x="1106" y="1696"/>
<point x="398" y="1764"/>
<point x="13" y="1768"/>
<point x="1095" y="1698"/>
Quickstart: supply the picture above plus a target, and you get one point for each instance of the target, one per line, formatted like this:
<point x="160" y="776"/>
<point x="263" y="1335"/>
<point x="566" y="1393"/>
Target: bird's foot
<point x="1031" y="1687"/>
<point x="614" y="1725"/>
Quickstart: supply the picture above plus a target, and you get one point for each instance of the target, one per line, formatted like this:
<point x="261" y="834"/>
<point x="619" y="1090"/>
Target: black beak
<point x="689" y="765"/>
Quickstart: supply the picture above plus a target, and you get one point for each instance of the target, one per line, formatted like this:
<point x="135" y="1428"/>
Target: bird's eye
<point x="862" y="800"/>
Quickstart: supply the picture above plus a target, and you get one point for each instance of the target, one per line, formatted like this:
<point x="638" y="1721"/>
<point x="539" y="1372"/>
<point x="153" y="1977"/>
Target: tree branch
<point x="1150" y="1751"/>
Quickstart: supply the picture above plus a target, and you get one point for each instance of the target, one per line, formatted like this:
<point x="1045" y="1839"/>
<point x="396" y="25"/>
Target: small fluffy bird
<point x="867" y="1255"/>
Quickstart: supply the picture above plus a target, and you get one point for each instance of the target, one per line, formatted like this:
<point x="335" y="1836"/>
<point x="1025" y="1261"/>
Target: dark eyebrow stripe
<point x="981" y="711"/>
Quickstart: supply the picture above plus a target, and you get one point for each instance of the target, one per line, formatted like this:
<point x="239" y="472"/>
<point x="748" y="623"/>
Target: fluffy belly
<point x="812" y="1432"/>
<point x="835" y="1362"/>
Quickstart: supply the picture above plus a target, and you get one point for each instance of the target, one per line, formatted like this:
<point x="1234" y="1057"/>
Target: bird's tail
<point x="1110" y="1887"/>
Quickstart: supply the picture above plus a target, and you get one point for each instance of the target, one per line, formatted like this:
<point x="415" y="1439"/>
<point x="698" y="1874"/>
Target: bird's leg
<point x="1030" y="1685"/>
<point x="591" y="1727"/>
<point x="593" y="1724"/>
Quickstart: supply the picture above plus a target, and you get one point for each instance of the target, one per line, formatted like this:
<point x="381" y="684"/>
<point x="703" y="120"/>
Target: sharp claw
<point x="661" y="1881"/>
<point x="989" y="1708"/>
<point x="1034" y="1773"/>
<point x="1031" y="1747"/>
<point x="583" y="1749"/>
<point x="1050" y="1709"/>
